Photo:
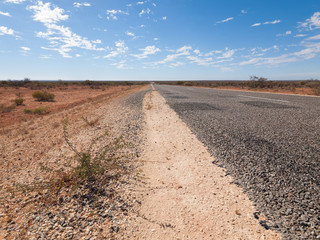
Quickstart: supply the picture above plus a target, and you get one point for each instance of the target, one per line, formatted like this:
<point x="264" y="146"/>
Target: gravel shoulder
<point x="181" y="194"/>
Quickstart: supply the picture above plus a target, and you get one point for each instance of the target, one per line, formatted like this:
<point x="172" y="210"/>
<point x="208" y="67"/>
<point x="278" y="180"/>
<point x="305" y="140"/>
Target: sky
<point x="159" y="39"/>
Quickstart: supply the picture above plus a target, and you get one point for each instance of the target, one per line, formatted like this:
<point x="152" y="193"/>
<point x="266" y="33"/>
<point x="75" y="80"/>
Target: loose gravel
<point x="269" y="143"/>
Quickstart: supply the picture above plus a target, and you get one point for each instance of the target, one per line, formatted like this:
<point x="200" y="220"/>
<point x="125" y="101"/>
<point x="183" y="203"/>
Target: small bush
<point x="39" y="111"/>
<point x="18" y="101"/>
<point x="43" y="96"/>
<point x="5" y="109"/>
<point x="27" y="111"/>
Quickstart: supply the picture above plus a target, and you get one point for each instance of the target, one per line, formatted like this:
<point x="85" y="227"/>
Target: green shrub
<point x="39" y="111"/>
<point x="43" y="96"/>
<point x="94" y="163"/>
<point x="27" y="111"/>
<point x="18" y="101"/>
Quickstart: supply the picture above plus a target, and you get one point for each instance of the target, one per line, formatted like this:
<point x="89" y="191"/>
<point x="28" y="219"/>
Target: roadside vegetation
<point x="38" y="111"/>
<point x="256" y="83"/>
<point x="39" y="85"/>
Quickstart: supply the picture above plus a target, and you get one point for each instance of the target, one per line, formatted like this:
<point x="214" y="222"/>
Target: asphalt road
<point x="270" y="144"/>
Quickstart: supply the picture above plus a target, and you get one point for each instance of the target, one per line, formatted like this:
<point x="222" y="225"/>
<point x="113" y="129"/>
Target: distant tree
<point x="258" y="81"/>
<point x="26" y="80"/>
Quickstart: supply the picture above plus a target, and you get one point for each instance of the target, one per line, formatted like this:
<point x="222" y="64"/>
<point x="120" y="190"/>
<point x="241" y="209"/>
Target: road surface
<point x="270" y="143"/>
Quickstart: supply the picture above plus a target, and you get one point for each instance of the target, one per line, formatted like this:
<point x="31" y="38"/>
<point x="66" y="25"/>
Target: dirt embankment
<point x="185" y="196"/>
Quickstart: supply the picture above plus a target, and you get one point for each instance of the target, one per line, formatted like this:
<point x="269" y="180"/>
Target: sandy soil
<point x="184" y="195"/>
<point x="65" y="97"/>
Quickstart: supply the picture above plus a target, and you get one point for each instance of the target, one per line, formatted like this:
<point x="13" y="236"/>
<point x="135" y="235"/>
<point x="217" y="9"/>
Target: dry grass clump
<point x="38" y="111"/>
<point x="43" y="96"/>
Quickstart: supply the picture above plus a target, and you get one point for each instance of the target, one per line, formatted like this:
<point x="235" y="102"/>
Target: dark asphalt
<point x="270" y="144"/>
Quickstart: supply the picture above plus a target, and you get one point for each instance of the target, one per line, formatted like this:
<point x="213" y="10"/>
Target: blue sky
<point x="159" y="39"/>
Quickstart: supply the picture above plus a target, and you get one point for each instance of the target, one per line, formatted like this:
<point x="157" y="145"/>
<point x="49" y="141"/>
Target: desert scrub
<point x="18" y="101"/>
<point x="43" y="96"/>
<point x="5" y="109"/>
<point x="39" y="111"/>
<point x="94" y="162"/>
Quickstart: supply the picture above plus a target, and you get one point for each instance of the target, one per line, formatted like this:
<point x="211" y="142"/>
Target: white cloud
<point x="197" y="51"/>
<point x="226" y="20"/>
<point x="149" y="50"/>
<point x="15" y="1"/>
<point x="45" y="56"/>
<point x="6" y="31"/>
<point x="119" y="65"/>
<point x="45" y="14"/>
<point x="153" y="4"/>
<point x="311" y="51"/>
<point x="300" y="35"/>
<point x="313" y="22"/>
<point x="140" y="3"/>
<point x="5" y="14"/>
<point x="145" y="11"/>
<point x="270" y="61"/>
<point x="112" y="14"/>
<point x="244" y="12"/>
<point x="131" y="34"/>
<point x="121" y="48"/>
<point x="284" y="34"/>
<point x="266" y="23"/>
<point x="227" y="54"/>
<point x="25" y="48"/>
<point x="62" y="40"/>
<point x="164" y="18"/>
<point x="316" y="37"/>
<point x="183" y="51"/>
<point x="85" y="4"/>
<point x="256" y="24"/>
<point x="177" y="64"/>
<point x="155" y="39"/>
<point x="200" y="61"/>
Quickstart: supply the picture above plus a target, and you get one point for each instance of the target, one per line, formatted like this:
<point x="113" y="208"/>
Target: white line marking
<point x="269" y="99"/>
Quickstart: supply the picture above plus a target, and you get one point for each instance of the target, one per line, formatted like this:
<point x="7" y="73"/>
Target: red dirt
<point x="65" y="98"/>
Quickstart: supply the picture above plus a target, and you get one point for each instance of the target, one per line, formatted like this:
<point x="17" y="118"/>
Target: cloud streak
<point x="5" y="14"/>
<point x="225" y="20"/>
<point x="266" y="23"/>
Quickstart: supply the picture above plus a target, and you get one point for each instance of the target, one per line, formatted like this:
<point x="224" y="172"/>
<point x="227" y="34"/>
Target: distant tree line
<point x="36" y="85"/>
